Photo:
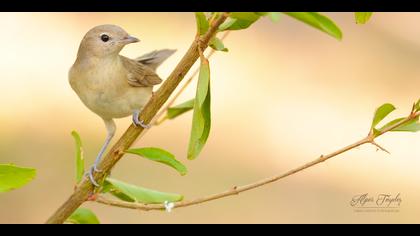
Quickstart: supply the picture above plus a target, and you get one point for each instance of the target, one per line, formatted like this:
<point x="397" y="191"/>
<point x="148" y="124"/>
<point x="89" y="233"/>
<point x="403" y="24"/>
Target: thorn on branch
<point x="234" y="189"/>
<point x="380" y="147"/>
<point x="321" y="158"/>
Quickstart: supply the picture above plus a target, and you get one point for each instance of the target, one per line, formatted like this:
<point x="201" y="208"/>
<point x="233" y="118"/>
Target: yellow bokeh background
<point x="284" y="94"/>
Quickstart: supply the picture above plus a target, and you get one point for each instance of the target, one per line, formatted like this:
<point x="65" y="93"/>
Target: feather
<point x="138" y="74"/>
<point x="155" y="58"/>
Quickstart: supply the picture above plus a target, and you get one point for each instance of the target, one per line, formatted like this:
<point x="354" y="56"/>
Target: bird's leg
<point x="110" y="127"/>
<point x="138" y="122"/>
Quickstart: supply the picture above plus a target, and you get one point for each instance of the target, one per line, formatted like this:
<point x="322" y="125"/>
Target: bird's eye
<point x="104" y="38"/>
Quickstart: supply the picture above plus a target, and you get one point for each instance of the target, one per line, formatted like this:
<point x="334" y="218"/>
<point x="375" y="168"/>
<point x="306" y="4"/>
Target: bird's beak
<point x="130" y="39"/>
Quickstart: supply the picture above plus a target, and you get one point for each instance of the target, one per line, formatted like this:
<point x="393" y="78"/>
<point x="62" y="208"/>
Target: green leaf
<point x="203" y="85"/>
<point x="376" y="132"/>
<point x="261" y="13"/>
<point x="362" y="17"/>
<point x="80" y="162"/>
<point x="180" y="109"/>
<point x="202" y="23"/>
<point x="133" y="193"/>
<point x="13" y="177"/>
<point x="381" y="113"/>
<point x="417" y="106"/>
<point x="83" y="216"/>
<point x="161" y="156"/>
<point x="217" y="45"/>
<point x="391" y="123"/>
<point x="411" y="126"/>
<point x="227" y="24"/>
<point x="107" y="187"/>
<point x="318" y="21"/>
<point x="248" y="16"/>
<point x="201" y="121"/>
<point x="238" y="24"/>
<point x="274" y="16"/>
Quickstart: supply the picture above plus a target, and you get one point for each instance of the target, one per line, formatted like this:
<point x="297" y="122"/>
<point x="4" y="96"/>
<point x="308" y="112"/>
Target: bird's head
<point x="104" y="41"/>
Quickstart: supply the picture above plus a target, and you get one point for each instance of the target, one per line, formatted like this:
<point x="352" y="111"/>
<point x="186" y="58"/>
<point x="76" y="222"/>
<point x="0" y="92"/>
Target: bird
<point x="111" y="85"/>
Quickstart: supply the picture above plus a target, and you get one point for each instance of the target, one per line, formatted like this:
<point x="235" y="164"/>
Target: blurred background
<point x="284" y="94"/>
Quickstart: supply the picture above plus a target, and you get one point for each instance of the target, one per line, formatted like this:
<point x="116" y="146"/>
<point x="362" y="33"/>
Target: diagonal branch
<point x="85" y="188"/>
<point x="159" y="118"/>
<point x="236" y="190"/>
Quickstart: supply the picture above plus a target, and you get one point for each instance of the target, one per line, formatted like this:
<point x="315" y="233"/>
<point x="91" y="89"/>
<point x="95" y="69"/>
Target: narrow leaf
<point x="80" y="162"/>
<point x="248" y="16"/>
<point x="381" y="113"/>
<point x="139" y="194"/>
<point x="318" y="21"/>
<point x="217" y="44"/>
<point x="417" y="106"/>
<point x="227" y="24"/>
<point x="411" y="126"/>
<point x="202" y="23"/>
<point x="107" y="187"/>
<point x="274" y="16"/>
<point x="201" y="122"/>
<point x="203" y="85"/>
<point x="83" y="216"/>
<point x="237" y="24"/>
<point x="161" y="156"/>
<point x="261" y="13"/>
<point x="13" y="177"/>
<point x="180" y="109"/>
<point x="391" y="123"/>
<point x="362" y="17"/>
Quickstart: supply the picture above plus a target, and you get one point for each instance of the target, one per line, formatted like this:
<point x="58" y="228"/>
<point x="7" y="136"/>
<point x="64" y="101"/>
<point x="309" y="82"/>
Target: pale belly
<point x="108" y="106"/>
<point x="117" y="101"/>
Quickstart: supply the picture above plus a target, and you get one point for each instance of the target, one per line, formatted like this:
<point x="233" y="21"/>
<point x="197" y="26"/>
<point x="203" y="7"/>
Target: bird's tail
<point x="155" y="58"/>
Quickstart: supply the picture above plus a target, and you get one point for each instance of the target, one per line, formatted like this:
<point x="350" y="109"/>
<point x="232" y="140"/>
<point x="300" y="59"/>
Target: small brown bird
<point x="111" y="85"/>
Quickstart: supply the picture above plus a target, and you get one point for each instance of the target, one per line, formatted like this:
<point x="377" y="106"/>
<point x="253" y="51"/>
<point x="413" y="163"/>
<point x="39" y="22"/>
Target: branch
<point x="236" y="190"/>
<point x="160" y="117"/>
<point x="84" y="189"/>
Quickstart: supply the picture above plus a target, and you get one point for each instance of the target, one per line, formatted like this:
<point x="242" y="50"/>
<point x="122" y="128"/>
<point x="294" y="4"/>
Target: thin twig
<point x="232" y="191"/>
<point x="236" y="190"/>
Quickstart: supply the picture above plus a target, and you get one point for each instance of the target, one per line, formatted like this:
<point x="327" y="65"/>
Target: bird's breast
<point x="104" y="90"/>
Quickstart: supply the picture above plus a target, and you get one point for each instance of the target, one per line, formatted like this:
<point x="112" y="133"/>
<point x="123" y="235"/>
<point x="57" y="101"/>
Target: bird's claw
<point x="90" y="175"/>
<point x="138" y="122"/>
<point x="95" y="168"/>
<point x="142" y="124"/>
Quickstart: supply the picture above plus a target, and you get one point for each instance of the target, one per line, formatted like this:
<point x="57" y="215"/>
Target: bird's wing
<point x="154" y="58"/>
<point x="139" y="75"/>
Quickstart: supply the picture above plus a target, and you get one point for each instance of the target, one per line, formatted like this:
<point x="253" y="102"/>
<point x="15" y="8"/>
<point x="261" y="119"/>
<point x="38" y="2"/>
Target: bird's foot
<point x="142" y="124"/>
<point x="90" y="173"/>
<point x="138" y="122"/>
<point x="95" y="168"/>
